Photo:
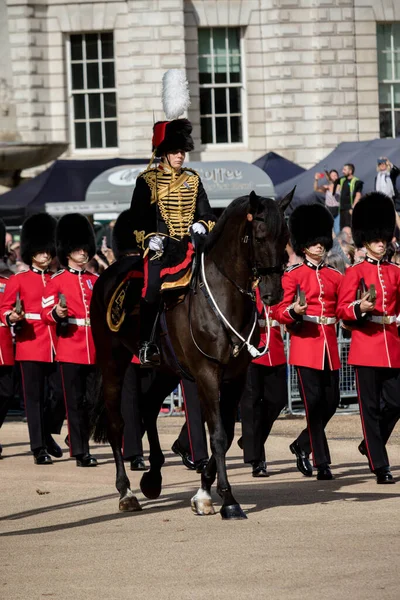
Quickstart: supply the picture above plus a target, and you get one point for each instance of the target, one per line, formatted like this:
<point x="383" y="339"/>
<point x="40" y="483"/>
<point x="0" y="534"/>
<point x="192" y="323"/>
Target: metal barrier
<point x="173" y="404"/>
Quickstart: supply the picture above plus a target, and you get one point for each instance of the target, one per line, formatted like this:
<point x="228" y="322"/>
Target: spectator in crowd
<point x="350" y="189"/>
<point x="359" y="254"/>
<point x="331" y="199"/>
<point x="385" y="180"/>
<point x="349" y="252"/>
<point x="336" y="260"/>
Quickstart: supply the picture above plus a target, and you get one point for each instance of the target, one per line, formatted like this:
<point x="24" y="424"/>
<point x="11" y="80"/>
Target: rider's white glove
<point x="156" y="243"/>
<point x="199" y="228"/>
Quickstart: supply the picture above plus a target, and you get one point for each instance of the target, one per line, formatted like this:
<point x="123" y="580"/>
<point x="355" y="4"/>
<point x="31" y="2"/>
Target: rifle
<point x="300" y="296"/>
<point x="18" y="308"/>
<point x="63" y="324"/>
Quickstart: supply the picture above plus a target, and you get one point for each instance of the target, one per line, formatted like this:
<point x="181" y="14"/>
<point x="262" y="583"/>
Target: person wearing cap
<point x="369" y="302"/>
<point x="35" y="340"/>
<point x="171" y="208"/>
<point x="265" y="393"/>
<point x="75" y="347"/>
<point x="6" y="343"/>
<point x="311" y="322"/>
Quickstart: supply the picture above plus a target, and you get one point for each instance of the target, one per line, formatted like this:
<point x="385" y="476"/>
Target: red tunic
<point x="35" y="340"/>
<point x="310" y="342"/>
<point x="372" y="344"/>
<point x="276" y="355"/>
<point x="76" y="344"/>
<point x="6" y="343"/>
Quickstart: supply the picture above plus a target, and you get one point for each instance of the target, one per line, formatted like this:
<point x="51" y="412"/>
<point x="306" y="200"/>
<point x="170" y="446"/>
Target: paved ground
<point x="62" y="538"/>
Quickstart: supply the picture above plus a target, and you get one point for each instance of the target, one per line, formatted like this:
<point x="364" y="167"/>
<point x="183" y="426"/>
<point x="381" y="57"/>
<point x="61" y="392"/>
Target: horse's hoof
<point x="202" y="504"/>
<point x="233" y="511"/>
<point x="129" y="503"/>
<point x="151" y="485"/>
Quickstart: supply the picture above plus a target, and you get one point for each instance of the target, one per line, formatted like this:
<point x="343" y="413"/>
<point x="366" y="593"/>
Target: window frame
<point x="240" y="85"/>
<point x="391" y="82"/>
<point x="86" y="91"/>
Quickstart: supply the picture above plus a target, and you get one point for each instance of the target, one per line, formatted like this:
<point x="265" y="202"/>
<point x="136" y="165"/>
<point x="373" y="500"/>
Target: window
<point x="221" y="85"/>
<point x="389" y="79"/>
<point x="93" y="99"/>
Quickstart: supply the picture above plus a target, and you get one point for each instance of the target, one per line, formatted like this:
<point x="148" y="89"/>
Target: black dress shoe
<point x="86" y="460"/>
<point x="324" y="473"/>
<point x="53" y="448"/>
<point x="200" y="465"/>
<point x="259" y="468"/>
<point x="384" y="476"/>
<point x="41" y="457"/>
<point x="138" y="464"/>
<point x="185" y="456"/>
<point x="303" y="464"/>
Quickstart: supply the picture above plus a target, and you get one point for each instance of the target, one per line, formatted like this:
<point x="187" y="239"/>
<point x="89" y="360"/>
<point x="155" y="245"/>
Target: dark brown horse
<point x="212" y="335"/>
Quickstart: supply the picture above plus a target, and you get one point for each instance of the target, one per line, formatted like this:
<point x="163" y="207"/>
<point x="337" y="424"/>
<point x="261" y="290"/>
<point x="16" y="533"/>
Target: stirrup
<point x="149" y="355"/>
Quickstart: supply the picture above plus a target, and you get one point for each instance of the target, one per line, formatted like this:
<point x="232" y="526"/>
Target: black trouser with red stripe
<point x="37" y="379"/>
<point x="379" y="400"/>
<point x="193" y="434"/>
<point x="6" y="390"/>
<point x="131" y="413"/>
<point x="264" y="396"/>
<point x="79" y="383"/>
<point x="319" y="390"/>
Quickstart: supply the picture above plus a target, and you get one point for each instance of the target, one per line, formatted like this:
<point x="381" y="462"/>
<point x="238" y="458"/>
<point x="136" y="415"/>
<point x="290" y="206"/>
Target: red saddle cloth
<point x="176" y="272"/>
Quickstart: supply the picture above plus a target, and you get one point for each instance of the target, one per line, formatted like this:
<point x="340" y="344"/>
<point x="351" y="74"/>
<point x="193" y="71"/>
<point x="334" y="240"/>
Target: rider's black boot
<point x="149" y="353"/>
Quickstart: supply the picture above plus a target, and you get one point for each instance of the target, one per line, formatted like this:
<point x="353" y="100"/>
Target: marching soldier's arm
<point x="285" y="313"/>
<point x="348" y="308"/>
<point x="204" y="213"/>
<point x="9" y="299"/>
<point x="50" y="301"/>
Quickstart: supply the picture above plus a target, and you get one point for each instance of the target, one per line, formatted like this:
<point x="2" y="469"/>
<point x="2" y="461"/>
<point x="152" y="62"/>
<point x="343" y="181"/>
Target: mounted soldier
<point x="170" y="208"/>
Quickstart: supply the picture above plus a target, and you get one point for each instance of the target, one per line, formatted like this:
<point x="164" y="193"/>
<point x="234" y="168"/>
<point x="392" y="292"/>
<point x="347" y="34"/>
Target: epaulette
<point x="293" y="267"/>
<point x="333" y="268"/>
<point x="22" y="272"/>
<point x="147" y="171"/>
<point x="58" y="273"/>
<point x="191" y="171"/>
<point x="357" y="264"/>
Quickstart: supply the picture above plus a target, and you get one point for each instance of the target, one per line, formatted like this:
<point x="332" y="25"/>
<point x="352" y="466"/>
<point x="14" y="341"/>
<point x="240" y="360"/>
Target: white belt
<point x="272" y="323"/>
<point x="33" y="316"/>
<point x="2" y="325"/>
<point x="382" y="320"/>
<point x="80" y="322"/>
<point x="320" y="320"/>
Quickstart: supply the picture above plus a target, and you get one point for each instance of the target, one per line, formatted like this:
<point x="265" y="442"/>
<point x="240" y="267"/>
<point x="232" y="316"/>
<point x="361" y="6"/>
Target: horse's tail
<point x="98" y="414"/>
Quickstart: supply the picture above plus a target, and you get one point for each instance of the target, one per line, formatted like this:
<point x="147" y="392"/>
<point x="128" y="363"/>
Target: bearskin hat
<point x="310" y="224"/>
<point x="123" y="239"/>
<point x="2" y="238"/>
<point x="169" y="136"/>
<point x="373" y="218"/>
<point x="37" y="235"/>
<point x="74" y="232"/>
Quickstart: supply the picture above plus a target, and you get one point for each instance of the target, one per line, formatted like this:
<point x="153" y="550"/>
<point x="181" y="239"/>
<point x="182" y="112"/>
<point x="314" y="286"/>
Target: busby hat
<point x="373" y="218"/>
<point x="74" y="232"/>
<point x="2" y="239"/>
<point x="37" y="235"/>
<point x="310" y="224"/>
<point x="175" y="133"/>
<point x="123" y="239"/>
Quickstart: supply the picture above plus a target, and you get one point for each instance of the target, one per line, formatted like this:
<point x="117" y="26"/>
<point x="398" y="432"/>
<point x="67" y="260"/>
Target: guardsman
<point x="265" y="393"/>
<point x="66" y="305"/>
<point x="35" y="340"/>
<point x="369" y="302"/>
<point x="170" y="206"/>
<point x="6" y="343"/>
<point x="308" y="309"/>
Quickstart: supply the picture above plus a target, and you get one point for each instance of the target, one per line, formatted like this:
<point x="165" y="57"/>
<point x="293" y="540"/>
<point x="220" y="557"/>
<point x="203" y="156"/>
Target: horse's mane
<point x="239" y="207"/>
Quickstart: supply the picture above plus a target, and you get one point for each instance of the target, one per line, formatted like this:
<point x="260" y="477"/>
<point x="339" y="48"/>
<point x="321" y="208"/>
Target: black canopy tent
<point x="62" y="181"/>
<point x="363" y="155"/>
<point x="277" y="167"/>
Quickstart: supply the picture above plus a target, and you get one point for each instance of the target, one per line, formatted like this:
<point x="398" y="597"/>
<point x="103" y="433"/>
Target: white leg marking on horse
<point x="202" y="503"/>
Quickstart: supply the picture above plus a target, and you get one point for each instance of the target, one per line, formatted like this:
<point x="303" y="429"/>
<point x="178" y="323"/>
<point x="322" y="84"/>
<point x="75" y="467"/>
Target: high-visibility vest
<point x="353" y="182"/>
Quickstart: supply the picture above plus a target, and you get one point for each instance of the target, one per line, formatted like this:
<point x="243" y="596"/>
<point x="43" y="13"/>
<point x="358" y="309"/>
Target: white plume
<point x="175" y="93"/>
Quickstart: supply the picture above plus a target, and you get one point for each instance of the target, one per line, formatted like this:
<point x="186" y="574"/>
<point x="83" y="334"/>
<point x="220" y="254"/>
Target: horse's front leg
<point x="208" y="387"/>
<point x="115" y="427"/>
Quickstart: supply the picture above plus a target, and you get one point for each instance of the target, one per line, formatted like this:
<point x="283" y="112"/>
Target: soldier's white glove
<point x="199" y="228"/>
<point x="156" y="244"/>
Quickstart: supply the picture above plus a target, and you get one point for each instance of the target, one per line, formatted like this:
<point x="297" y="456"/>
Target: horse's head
<point x="270" y="235"/>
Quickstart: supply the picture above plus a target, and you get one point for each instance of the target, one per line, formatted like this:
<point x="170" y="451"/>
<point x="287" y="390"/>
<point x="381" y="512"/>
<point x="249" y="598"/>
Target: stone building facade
<point x="303" y="73"/>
